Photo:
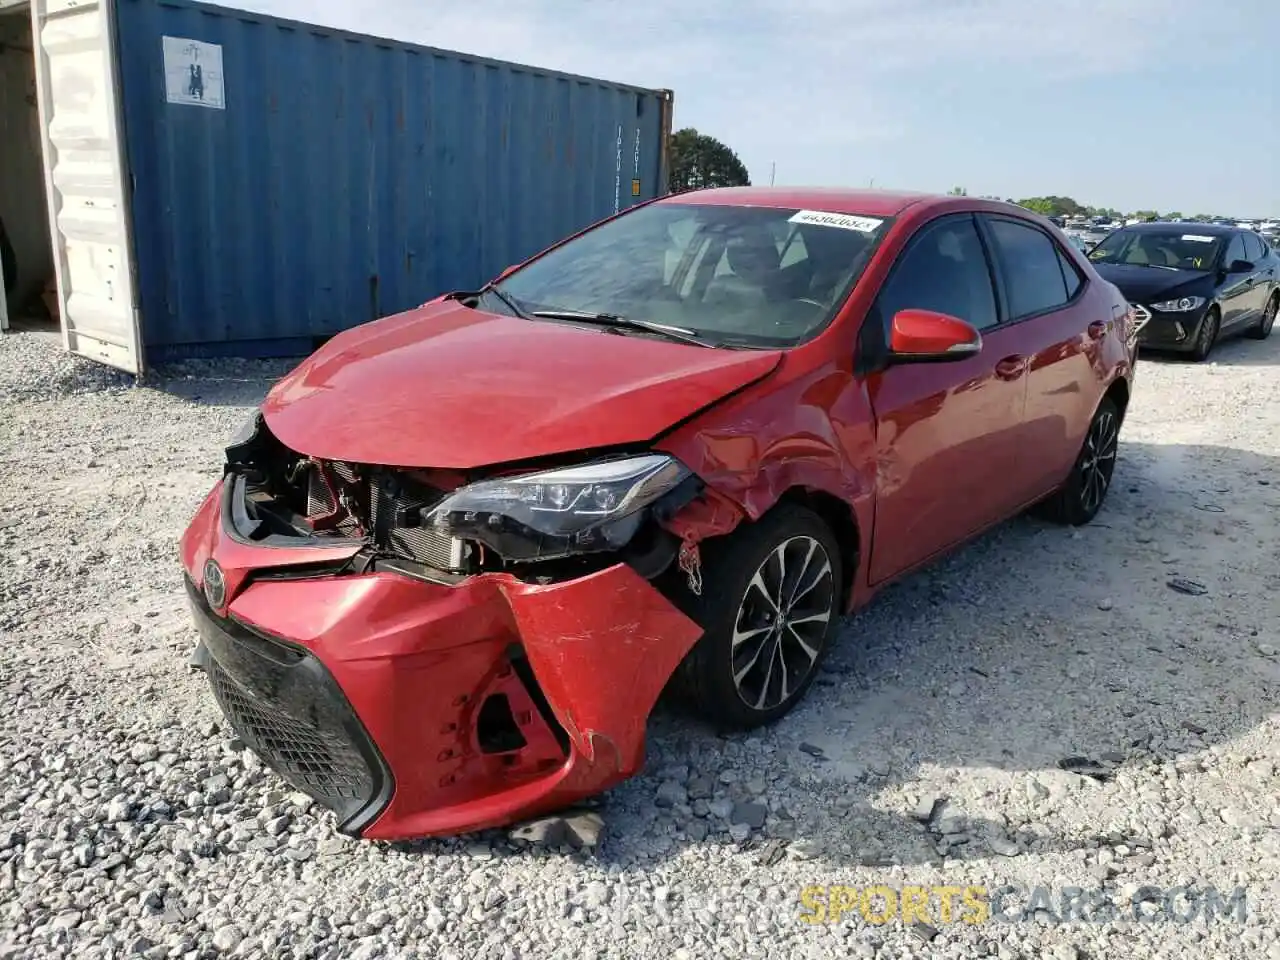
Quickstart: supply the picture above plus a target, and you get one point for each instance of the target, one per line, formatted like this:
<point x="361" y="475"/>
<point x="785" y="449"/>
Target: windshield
<point x="741" y="276"/>
<point x="1172" y="249"/>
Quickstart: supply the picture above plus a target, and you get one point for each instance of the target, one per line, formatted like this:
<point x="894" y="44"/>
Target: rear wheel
<point x="1080" y="498"/>
<point x="1207" y="335"/>
<point x="770" y="606"/>
<point x="1262" y="329"/>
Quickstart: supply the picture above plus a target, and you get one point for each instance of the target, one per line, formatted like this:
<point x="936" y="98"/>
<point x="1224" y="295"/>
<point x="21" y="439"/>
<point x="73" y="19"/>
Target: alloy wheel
<point x="1098" y="460"/>
<point x="1269" y="316"/>
<point x="1208" y="334"/>
<point x="782" y="622"/>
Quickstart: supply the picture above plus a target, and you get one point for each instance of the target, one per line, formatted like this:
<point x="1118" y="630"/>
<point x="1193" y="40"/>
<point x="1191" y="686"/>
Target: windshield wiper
<point x="510" y="304"/>
<point x="681" y="334"/>
<point x="1153" y="266"/>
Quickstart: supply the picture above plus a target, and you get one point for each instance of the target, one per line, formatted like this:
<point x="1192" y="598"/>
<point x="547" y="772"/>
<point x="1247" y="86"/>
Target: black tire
<point x="1207" y="335"/>
<point x="1079" y="499"/>
<point x="732" y="604"/>
<point x="1262" y="329"/>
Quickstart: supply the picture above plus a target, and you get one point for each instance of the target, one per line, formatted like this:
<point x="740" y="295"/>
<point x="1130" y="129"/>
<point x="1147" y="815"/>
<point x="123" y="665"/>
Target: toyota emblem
<point x="215" y="585"/>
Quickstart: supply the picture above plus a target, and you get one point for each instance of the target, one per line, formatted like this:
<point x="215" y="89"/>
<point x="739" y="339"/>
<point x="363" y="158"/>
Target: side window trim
<point x="993" y="252"/>
<point x="1066" y="262"/>
<point x="995" y="269"/>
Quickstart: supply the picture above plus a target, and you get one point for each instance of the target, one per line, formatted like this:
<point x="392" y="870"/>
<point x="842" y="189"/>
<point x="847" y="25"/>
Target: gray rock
<point x="805" y="850"/>
<point x="548" y="832"/>
<point x="721" y="808"/>
<point x="1004" y="846"/>
<point x="584" y="830"/>
<point x="227" y="938"/>
<point x="597" y="894"/>
<point x="144" y="752"/>
<point x="751" y="814"/>
<point x="927" y="807"/>
<point x="952" y="824"/>
<point x="671" y="793"/>
<point x="700" y="788"/>
<point x="278" y="825"/>
<point x="119" y="809"/>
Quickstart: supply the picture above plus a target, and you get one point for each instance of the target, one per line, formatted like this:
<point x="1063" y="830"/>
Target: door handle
<point x="1097" y="330"/>
<point x="1010" y="368"/>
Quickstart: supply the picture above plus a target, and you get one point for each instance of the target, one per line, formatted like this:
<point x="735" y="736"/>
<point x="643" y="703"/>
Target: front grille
<point x="317" y="762"/>
<point x="388" y="510"/>
<point x="286" y="706"/>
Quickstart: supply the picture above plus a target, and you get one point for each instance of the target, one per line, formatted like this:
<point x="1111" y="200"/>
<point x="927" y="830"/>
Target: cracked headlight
<point x="557" y="513"/>
<point x="1181" y="305"/>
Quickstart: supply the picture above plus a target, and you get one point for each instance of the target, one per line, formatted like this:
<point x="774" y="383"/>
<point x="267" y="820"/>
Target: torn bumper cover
<point x="413" y="708"/>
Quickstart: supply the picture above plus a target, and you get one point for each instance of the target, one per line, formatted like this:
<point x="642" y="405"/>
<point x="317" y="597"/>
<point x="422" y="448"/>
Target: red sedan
<point x="458" y="553"/>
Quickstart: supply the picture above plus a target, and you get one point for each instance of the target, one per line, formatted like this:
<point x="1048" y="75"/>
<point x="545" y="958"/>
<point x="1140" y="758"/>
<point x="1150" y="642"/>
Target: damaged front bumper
<point x="413" y="708"/>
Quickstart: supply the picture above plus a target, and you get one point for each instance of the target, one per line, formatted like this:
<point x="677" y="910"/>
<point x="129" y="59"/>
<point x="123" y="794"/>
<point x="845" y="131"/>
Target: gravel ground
<point x="931" y="754"/>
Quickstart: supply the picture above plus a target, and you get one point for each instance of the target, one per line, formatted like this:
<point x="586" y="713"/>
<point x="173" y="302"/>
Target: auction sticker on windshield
<point x="843" y="221"/>
<point x="1197" y="238"/>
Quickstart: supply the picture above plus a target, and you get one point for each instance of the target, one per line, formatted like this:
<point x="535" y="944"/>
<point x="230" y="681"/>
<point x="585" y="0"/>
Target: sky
<point x="1172" y="105"/>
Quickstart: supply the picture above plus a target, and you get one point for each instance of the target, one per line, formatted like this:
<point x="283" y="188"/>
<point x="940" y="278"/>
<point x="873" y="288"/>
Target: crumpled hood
<point x="1145" y="284"/>
<point x="449" y="387"/>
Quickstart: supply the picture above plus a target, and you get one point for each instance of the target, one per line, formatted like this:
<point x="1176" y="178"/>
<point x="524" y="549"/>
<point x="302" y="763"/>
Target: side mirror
<point x="1240" y="266"/>
<point x="923" y="336"/>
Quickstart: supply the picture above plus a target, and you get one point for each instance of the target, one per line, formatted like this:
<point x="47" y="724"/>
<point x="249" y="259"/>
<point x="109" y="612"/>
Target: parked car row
<point x="1193" y="284"/>
<point x="459" y="552"/>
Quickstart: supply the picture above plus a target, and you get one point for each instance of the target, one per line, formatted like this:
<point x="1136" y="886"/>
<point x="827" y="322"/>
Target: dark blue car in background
<point x="1193" y="283"/>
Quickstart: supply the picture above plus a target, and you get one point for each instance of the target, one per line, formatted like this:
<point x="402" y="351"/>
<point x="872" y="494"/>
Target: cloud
<point x="806" y="76"/>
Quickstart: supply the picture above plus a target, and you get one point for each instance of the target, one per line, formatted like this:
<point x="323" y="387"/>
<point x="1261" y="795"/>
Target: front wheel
<point x="770" y="606"/>
<point x="1262" y="329"/>
<point x="1080" y="498"/>
<point x="1206" y="336"/>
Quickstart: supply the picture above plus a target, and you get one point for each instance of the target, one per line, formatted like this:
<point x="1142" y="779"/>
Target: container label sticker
<point x="1197" y="238"/>
<point x="617" y="176"/>
<point x="842" y="221"/>
<point x="635" y="188"/>
<point x="193" y="73"/>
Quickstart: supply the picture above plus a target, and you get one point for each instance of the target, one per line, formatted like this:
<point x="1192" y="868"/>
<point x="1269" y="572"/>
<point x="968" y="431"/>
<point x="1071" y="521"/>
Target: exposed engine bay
<point x="404" y="520"/>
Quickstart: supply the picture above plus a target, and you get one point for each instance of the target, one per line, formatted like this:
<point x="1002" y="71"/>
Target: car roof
<point x="1207" y="229"/>
<point x="873" y="203"/>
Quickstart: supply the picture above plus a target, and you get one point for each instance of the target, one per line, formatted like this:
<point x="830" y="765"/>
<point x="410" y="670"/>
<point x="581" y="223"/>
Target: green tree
<point x="957" y="192"/>
<point x="1040" y="205"/>
<point x="1176" y="215"/>
<point x="698" y="161"/>
<point x="1053" y="206"/>
<point x="1147" y="215"/>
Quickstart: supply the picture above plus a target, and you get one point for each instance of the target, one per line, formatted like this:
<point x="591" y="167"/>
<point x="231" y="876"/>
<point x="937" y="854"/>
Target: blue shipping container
<point x="283" y="181"/>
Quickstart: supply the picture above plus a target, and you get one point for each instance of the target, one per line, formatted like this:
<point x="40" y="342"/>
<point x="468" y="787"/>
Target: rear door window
<point x="1033" y="272"/>
<point x="1070" y="273"/>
